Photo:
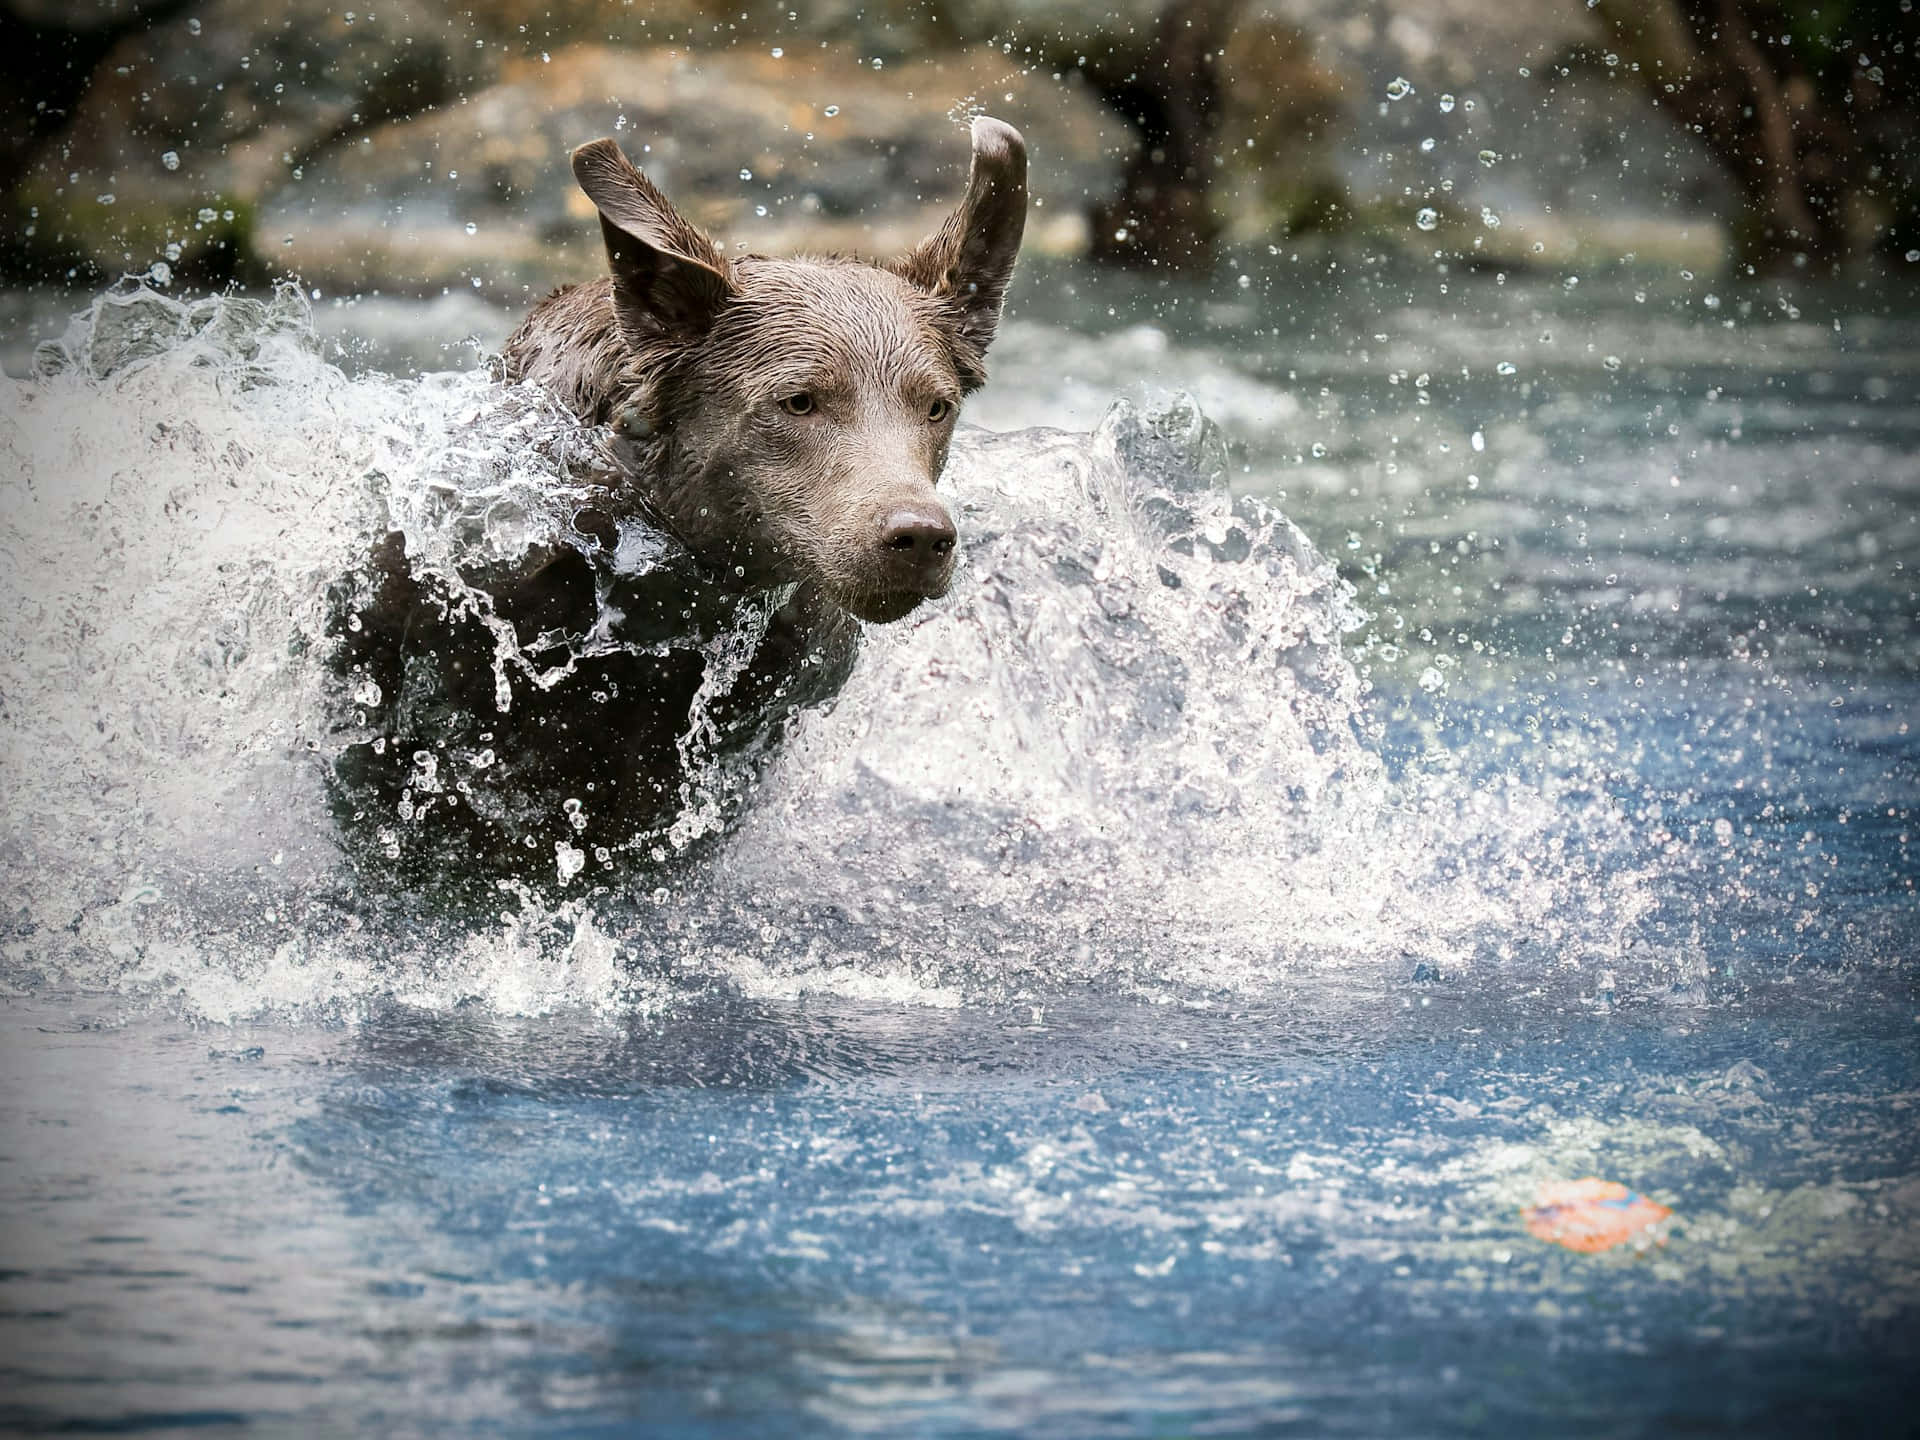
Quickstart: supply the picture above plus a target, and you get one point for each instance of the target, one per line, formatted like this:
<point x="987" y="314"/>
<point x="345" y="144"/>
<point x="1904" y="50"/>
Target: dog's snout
<point x="918" y="536"/>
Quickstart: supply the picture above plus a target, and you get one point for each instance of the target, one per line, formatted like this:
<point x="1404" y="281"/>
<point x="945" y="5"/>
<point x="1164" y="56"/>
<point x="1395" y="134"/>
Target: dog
<point x="781" y="424"/>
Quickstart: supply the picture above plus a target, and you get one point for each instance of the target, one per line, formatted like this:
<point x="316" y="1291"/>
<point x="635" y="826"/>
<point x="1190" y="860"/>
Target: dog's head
<point x="792" y="416"/>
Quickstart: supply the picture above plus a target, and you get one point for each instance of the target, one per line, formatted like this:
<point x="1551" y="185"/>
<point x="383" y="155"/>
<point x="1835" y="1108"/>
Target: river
<point x="1440" y="732"/>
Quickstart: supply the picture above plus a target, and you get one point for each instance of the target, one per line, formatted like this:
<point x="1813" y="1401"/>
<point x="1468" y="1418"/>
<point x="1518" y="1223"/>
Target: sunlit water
<point x="1142" y="1003"/>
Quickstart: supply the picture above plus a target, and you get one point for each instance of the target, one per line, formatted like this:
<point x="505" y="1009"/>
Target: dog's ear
<point x="969" y="259"/>
<point x="669" y="280"/>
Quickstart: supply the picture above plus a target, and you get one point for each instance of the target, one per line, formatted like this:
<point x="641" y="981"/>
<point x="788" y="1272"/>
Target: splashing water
<point x="1127" y="750"/>
<point x="1272" y="1003"/>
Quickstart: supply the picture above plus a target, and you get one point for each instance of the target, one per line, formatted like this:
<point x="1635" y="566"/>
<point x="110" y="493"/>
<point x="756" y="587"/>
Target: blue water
<point x="1237" y="1145"/>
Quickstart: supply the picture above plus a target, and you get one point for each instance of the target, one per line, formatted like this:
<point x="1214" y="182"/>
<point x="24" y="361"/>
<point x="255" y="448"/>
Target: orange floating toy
<point x="1592" y="1215"/>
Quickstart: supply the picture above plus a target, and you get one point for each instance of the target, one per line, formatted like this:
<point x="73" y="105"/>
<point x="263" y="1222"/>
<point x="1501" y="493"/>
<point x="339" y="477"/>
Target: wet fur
<point x="686" y="357"/>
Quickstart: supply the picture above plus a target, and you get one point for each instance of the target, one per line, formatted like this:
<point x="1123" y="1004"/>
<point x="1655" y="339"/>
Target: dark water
<point x="1121" y="1015"/>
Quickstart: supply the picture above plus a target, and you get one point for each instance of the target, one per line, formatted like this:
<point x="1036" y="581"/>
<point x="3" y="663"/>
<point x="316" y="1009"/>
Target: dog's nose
<point x="918" y="538"/>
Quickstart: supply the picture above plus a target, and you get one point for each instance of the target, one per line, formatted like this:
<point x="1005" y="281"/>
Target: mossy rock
<point x="54" y="234"/>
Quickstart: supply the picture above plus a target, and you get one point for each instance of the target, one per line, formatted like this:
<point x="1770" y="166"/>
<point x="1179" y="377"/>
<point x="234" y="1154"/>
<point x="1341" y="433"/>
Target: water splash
<point x="1128" y="750"/>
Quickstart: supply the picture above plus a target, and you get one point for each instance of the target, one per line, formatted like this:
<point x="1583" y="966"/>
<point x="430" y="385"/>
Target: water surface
<point x="1135" y="1008"/>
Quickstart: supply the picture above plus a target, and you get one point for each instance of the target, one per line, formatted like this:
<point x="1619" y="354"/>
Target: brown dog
<point x="785" y="421"/>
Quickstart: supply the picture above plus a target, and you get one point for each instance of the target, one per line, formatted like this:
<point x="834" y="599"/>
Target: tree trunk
<point x="1726" y="71"/>
<point x="1163" y="215"/>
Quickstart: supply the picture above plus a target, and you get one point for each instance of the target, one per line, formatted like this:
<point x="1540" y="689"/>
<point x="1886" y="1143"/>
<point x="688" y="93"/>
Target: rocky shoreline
<point x="414" y="149"/>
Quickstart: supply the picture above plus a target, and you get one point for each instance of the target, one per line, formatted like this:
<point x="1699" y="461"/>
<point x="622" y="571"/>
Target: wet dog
<point x="780" y="424"/>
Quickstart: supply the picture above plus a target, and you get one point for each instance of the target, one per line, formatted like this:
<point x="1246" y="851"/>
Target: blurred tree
<point x="1173" y="95"/>
<point x="1226" y="113"/>
<point x="1811" y="105"/>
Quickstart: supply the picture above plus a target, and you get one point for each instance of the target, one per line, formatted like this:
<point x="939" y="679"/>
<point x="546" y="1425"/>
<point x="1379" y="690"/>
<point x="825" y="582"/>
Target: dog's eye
<point x="939" y="410"/>
<point x="800" y="403"/>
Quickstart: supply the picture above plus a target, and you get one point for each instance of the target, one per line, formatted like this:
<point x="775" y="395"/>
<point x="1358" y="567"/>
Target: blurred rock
<point x="1471" y="108"/>
<point x="51" y="49"/>
<point x="189" y="123"/>
<point x="886" y="29"/>
<point x="243" y="138"/>
<point x="811" y="152"/>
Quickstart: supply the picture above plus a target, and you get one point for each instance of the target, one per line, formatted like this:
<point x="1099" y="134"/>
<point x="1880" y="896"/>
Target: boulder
<point x="187" y="124"/>
<point x="419" y="145"/>
<point x="822" y="150"/>
<point x="1476" y="111"/>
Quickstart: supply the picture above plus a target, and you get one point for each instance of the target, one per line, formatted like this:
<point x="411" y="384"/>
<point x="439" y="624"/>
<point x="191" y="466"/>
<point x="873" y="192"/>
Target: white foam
<point x="1128" y="750"/>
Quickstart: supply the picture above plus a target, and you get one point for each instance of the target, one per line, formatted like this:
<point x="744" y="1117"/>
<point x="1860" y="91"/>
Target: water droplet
<point x="1488" y="218"/>
<point x="745" y="173"/>
<point x="193" y="26"/>
<point x="1466" y="105"/>
<point x="1446" y="104"/>
<point x="1245" y="282"/>
<point x="1913" y="255"/>
<point x="171" y="159"/>
<point x="1473" y="482"/>
<point x="1319" y="451"/>
<point x="1489" y="158"/>
<point x="1712" y="302"/>
<point x="1478" y="440"/>
<point x="1399" y="88"/>
<point x="160" y="273"/>
<point x="106" y="199"/>
<point x="878" y="62"/>
<point x="1612" y="362"/>
<point x="1571" y="282"/>
<point x="1426" y="146"/>
<point x="761" y="211"/>
<point x="172" y="252"/>
<point x="1505" y="367"/>
<point x="472" y="229"/>
<point x="831" y="111"/>
<point x="778" y="52"/>
<point x="1427" y="219"/>
<point x="1431" y="680"/>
